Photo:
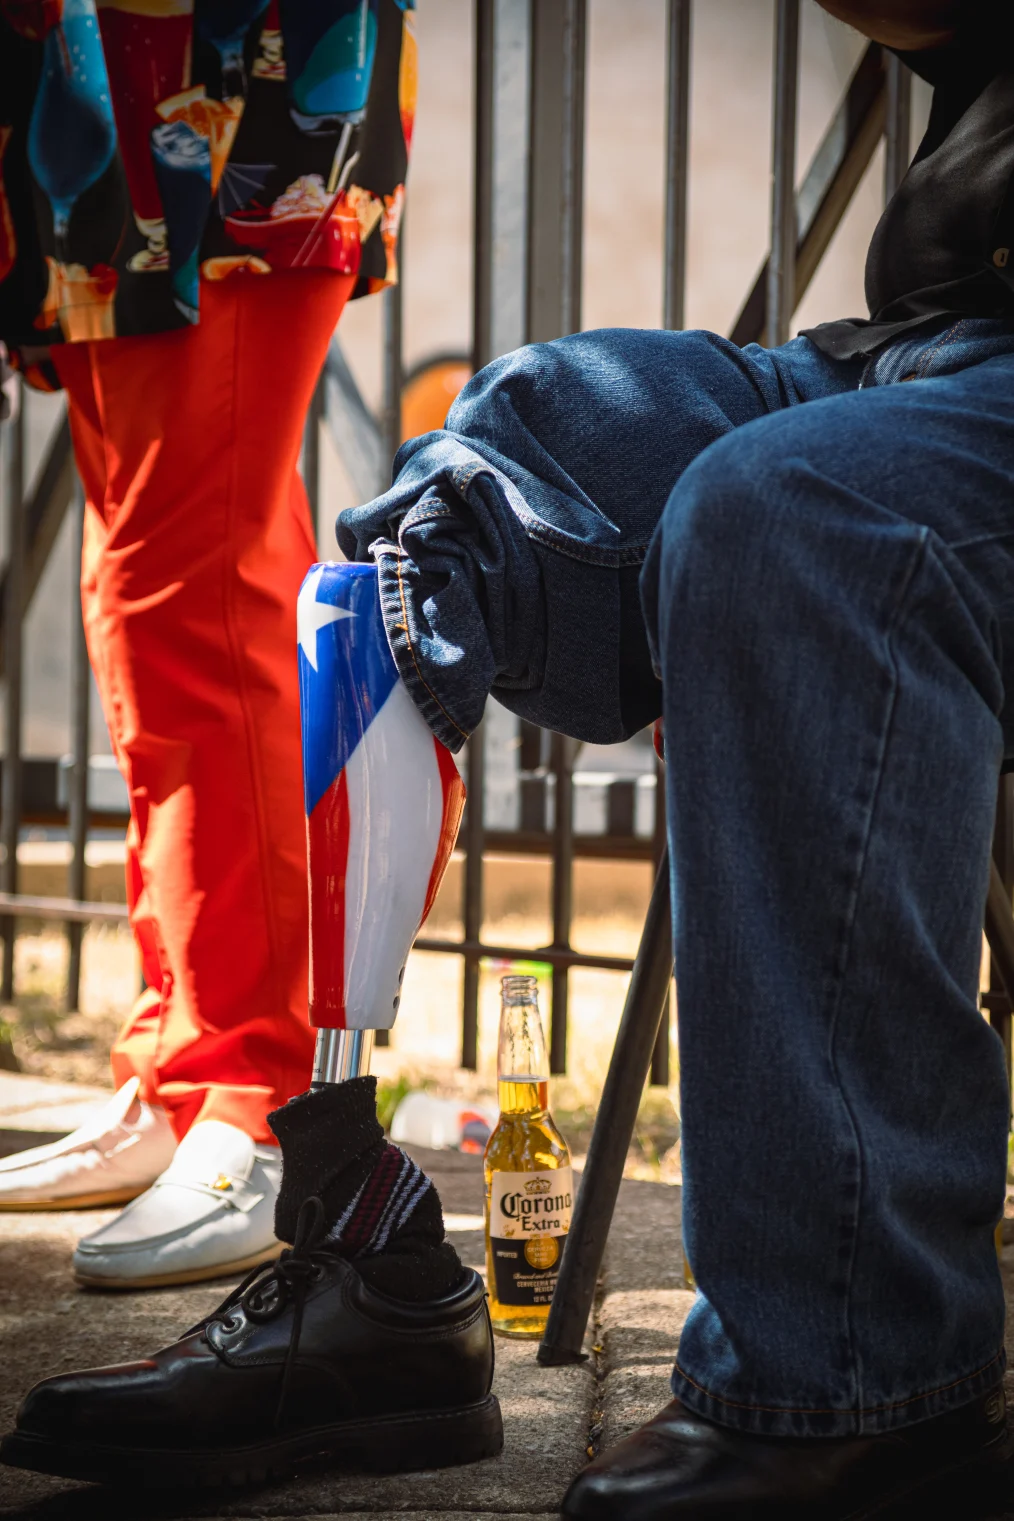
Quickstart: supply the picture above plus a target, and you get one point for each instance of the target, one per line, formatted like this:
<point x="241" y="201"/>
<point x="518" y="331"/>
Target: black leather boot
<point x="303" y="1362"/>
<point x="680" y="1467"/>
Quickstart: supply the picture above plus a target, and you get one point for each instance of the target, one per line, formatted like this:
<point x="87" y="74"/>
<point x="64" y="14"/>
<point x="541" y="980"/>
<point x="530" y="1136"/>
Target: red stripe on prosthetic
<point x="327" y="851"/>
<point x="454" y="805"/>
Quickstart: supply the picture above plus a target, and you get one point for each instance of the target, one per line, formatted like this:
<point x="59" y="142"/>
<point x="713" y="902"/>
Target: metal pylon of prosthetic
<point x="383" y="802"/>
<point x="341" y="1055"/>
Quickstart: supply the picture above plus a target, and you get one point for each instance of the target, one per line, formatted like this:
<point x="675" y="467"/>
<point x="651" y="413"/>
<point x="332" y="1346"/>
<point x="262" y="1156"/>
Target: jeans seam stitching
<point x="415" y="518"/>
<point x="587" y="554"/>
<point x="984" y="538"/>
<point x="817" y="1410"/>
<point x="411" y="650"/>
<point x="844" y="953"/>
<point x="945" y="339"/>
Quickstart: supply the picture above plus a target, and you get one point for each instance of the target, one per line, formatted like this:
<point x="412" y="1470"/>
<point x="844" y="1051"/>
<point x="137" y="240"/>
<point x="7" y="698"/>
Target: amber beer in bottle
<point x="529" y="1183"/>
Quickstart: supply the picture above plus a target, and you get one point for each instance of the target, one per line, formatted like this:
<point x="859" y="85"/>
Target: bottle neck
<point x="521" y="1056"/>
<point x="523" y="1093"/>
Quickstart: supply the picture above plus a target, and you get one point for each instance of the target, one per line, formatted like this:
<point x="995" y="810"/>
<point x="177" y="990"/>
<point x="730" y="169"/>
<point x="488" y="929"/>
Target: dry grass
<point x="71" y="1047"/>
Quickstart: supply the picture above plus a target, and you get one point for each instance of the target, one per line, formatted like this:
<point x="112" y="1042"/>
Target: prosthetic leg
<point x="383" y="804"/>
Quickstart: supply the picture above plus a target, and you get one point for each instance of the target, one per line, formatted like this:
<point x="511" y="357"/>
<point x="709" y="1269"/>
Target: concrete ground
<point x="552" y="1417"/>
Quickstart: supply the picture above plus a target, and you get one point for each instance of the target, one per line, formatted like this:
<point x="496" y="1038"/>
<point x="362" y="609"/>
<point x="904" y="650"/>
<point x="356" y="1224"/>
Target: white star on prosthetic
<point x="312" y="616"/>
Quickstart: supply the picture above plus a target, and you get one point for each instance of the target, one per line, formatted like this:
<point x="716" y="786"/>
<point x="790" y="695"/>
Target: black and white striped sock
<point x="383" y="1211"/>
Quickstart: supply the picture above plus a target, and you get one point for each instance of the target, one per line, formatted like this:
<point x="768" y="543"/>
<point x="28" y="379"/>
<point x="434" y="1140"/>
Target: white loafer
<point x="111" y="1159"/>
<point x="210" y="1215"/>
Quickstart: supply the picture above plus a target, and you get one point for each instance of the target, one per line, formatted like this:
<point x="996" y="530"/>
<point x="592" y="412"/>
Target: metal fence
<point x="530" y="60"/>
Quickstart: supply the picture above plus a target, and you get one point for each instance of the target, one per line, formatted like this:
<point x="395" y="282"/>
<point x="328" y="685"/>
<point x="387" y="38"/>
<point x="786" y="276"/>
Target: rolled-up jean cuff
<point x="761" y="1420"/>
<point x="432" y="704"/>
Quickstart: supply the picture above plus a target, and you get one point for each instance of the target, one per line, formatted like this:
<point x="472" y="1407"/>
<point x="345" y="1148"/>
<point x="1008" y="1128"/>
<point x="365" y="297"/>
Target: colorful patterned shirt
<point x="147" y="143"/>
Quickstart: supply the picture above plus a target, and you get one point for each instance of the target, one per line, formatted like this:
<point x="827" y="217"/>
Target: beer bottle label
<point x="529" y="1215"/>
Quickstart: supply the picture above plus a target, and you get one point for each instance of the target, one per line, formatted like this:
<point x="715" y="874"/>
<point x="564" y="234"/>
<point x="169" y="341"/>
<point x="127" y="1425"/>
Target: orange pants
<point x="197" y="536"/>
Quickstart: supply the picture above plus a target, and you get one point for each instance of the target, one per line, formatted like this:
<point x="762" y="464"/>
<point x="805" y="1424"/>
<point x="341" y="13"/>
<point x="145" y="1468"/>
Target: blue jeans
<point x="826" y="565"/>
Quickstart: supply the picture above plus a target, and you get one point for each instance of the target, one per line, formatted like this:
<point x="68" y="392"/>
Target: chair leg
<point x="1000" y="935"/>
<point x="998" y="1000"/>
<point x="614" y="1127"/>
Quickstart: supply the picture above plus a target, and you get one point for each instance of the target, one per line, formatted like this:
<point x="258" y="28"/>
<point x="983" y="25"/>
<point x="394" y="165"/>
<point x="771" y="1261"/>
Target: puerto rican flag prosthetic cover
<point x="383" y="802"/>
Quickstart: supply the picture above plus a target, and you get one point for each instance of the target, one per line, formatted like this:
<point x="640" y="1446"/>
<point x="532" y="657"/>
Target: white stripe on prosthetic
<point x="396" y="808"/>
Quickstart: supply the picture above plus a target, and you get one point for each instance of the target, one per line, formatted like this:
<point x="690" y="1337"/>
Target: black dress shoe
<point x="303" y="1362"/>
<point x="680" y="1467"/>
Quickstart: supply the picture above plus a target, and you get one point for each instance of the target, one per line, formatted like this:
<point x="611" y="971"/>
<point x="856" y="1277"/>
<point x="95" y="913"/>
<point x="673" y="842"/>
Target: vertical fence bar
<point x="660" y="1074"/>
<point x="482" y="353"/>
<point x="556" y="106"/>
<point x="782" y="265"/>
<point x="484" y="170"/>
<point x="472" y="915"/>
<point x="81" y="678"/>
<point x="677" y="148"/>
<point x="556" y="169"/>
<point x="393" y="376"/>
<point x="390" y="403"/>
<point x="508" y="164"/>
<point x="10" y="798"/>
<point x="898" y="126"/>
<point x="561" y="759"/>
<point x="14" y="609"/>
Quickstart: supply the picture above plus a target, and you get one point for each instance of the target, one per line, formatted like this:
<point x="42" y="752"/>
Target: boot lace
<point x="266" y="1291"/>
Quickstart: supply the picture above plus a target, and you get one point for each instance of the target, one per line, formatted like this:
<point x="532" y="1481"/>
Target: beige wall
<point x="729" y="177"/>
<point x="730" y="150"/>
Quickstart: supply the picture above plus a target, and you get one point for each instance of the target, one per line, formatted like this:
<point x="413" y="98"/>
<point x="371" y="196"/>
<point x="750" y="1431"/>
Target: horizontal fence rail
<point x="530" y="79"/>
<point x="63" y="910"/>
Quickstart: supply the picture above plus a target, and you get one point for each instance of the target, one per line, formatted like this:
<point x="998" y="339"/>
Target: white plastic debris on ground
<point x="445" y="1124"/>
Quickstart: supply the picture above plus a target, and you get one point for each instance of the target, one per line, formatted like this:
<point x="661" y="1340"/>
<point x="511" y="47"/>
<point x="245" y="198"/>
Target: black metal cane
<point x="614" y="1127"/>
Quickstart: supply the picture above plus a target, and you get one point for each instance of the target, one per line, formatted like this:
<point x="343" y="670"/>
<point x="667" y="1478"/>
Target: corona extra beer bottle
<point x="529" y="1183"/>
